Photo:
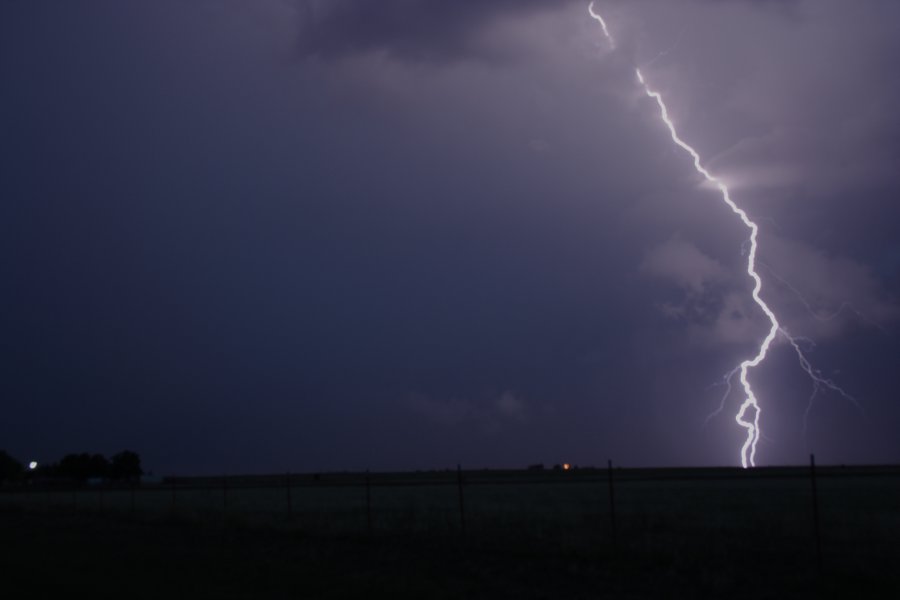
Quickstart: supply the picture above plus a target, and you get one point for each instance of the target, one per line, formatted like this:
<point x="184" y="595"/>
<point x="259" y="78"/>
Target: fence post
<point x="224" y="492"/>
<point x="368" y="504"/>
<point x="462" y="506"/>
<point x="815" y="501"/>
<point x="287" y="486"/>
<point x="612" y="503"/>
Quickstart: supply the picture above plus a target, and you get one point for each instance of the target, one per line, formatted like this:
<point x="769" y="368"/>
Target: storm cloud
<point x="419" y="30"/>
<point x="415" y="233"/>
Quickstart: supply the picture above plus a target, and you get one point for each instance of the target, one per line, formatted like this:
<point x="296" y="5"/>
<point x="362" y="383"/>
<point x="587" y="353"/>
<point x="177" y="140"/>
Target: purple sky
<point x="343" y="234"/>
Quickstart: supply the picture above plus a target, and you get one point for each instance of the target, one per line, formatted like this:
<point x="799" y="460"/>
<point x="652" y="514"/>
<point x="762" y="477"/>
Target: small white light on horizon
<point x="32" y="465"/>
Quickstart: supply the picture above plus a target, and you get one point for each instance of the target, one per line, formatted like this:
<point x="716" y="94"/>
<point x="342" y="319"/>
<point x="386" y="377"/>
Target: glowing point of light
<point x="32" y="465"/>
<point x="566" y="466"/>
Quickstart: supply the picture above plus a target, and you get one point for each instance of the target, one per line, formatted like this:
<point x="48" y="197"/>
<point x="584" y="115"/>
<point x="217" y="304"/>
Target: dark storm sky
<point x="307" y="235"/>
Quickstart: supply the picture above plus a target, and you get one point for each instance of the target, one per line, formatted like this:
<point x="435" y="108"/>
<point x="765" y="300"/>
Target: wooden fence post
<point x="287" y="486"/>
<point x="368" y="504"/>
<point x="815" y="501"/>
<point x="462" y="506"/>
<point x="612" y="503"/>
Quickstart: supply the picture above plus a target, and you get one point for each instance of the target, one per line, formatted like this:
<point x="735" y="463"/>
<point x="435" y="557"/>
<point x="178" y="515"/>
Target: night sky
<point x="405" y="234"/>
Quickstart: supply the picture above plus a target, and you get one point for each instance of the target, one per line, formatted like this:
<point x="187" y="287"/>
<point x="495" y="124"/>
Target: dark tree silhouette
<point x="10" y="468"/>
<point x="98" y="466"/>
<point x="84" y="466"/>
<point x="126" y="465"/>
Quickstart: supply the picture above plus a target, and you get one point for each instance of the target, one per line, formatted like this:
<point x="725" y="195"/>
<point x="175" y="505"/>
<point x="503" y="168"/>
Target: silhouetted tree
<point x="99" y="466"/>
<point x="83" y="466"/>
<point x="10" y="468"/>
<point x="126" y="465"/>
<point x="45" y="471"/>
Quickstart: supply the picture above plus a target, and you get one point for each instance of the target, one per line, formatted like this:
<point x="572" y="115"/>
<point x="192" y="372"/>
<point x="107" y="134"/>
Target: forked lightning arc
<point x="748" y="415"/>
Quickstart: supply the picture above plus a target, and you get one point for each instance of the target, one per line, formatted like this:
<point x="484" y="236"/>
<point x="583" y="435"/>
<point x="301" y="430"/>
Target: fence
<point x="814" y="516"/>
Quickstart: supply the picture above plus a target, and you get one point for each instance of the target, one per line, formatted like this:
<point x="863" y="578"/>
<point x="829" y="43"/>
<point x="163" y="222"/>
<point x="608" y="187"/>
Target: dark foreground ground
<point x="56" y="554"/>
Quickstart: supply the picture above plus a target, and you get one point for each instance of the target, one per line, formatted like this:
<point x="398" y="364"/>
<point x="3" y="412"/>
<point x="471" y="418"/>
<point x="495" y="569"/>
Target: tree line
<point x="122" y="466"/>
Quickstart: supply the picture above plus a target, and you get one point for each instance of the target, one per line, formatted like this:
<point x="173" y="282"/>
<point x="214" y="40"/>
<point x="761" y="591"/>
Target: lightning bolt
<point x="749" y="413"/>
<point x="823" y="315"/>
<point x="599" y="19"/>
<point x="750" y="403"/>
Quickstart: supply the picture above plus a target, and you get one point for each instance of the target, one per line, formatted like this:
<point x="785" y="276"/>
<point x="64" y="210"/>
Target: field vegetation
<point x="686" y="532"/>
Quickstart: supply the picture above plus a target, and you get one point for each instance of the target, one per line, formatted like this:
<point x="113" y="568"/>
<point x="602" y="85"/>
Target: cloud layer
<point x="269" y="222"/>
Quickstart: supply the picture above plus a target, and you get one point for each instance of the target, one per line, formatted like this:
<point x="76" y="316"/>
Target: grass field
<point x="678" y="533"/>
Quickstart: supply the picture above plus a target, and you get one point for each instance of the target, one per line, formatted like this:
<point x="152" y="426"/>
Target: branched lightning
<point x="819" y="382"/>
<point x="822" y="315"/>
<point x="750" y="422"/>
<point x="748" y="415"/>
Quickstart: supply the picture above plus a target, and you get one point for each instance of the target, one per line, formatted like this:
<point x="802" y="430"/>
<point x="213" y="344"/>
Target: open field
<point x="687" y="532"/>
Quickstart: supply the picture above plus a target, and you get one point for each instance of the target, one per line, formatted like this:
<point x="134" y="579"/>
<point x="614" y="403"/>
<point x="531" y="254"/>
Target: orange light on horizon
<point x="566" y="466"/>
